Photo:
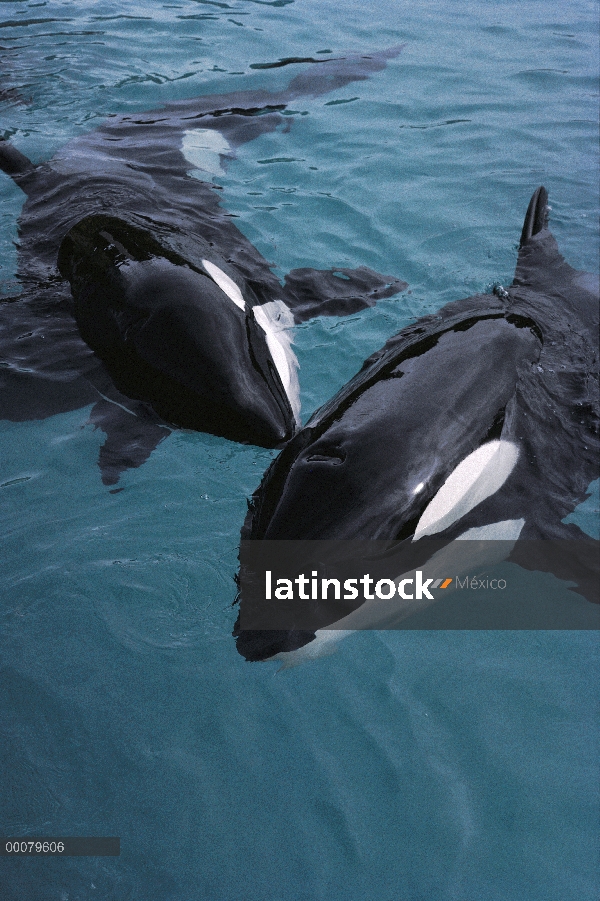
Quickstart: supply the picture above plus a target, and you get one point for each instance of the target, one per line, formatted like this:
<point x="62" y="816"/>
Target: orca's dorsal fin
<point x="541" y="267"/>
<point x="536" y="217"/>
<point x="336" y="292"/>
<point x="540" y="264"/>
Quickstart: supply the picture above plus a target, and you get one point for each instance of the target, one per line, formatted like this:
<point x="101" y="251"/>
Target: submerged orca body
<point x="480" y="421"/>
<point x="187" y="323"/>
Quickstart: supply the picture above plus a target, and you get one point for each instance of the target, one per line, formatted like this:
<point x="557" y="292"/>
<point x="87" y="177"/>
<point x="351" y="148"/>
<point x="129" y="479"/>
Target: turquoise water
<point x="411" y="766"/>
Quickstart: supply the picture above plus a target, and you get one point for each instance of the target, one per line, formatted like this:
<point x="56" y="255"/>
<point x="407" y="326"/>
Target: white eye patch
<point x="203" y="147"/>
<point x="276" y="320"/>
<point x="226" y="284"/>
<point x="478" y="476"/>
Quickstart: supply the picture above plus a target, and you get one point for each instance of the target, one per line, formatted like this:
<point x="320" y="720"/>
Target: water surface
<point x="408" y="765"/>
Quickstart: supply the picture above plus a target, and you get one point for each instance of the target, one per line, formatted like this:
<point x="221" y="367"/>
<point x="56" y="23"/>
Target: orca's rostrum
<point x="480" y="421"/>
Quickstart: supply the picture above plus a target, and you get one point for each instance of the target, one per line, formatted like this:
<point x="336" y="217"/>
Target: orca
<point x="140" y="296"/>
<point x="478" y="422"/>
<point x="176" y="326"/>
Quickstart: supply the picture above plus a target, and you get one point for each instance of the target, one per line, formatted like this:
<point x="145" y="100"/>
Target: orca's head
<point x="368" y="464"/>
<point x="424" y="441"/>
<point x="183" y="332"/>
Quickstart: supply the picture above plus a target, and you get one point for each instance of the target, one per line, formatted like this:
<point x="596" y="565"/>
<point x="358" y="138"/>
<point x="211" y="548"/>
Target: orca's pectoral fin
<point x="131" y="436"/>
<point x="15" y="164"/>
<point x="336" y="292"/>
<point x="575" y="559"/>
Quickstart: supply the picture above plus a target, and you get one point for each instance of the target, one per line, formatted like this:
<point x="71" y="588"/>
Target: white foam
<point x="226" y="284"/>
<point x="203" y="148"/>
<point x="477" y="477"/>
<point x="276" y="320"/>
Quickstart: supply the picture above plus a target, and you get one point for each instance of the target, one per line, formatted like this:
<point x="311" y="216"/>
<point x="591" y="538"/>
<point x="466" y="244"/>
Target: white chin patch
<point x="276" y="321"/>
<point x="477" y="477"/>
<point x="203" y="148"/>
<point x="226" y="284"/>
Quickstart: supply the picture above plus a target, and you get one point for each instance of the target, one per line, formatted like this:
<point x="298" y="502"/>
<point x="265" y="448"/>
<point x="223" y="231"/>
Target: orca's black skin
<point x="167" y="333"/>
<point x="132" y="218"/>
<point x="520" y="365"/>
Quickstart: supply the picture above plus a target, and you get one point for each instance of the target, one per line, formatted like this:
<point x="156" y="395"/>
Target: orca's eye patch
<point x="225" y="283"/>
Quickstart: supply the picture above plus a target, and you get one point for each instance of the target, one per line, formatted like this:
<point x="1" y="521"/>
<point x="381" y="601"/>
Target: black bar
<point x="471" y="584"/>
<point x="61" y="846"/>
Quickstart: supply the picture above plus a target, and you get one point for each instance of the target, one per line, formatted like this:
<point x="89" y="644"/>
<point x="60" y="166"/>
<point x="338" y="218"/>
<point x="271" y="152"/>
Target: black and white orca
<point x="478" y="422"/>
<point x="176" y="326"/>
<point x="187" y="323"/>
